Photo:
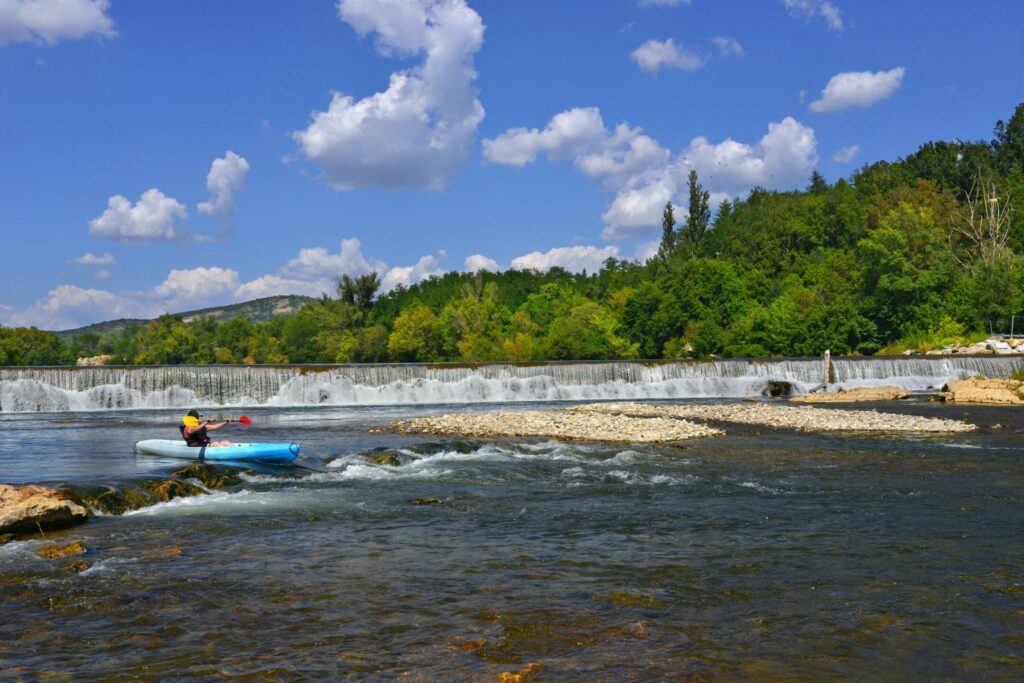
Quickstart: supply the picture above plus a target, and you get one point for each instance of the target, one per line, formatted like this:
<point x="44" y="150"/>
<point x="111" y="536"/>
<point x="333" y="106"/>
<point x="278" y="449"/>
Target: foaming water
<point x="120" y="388"/>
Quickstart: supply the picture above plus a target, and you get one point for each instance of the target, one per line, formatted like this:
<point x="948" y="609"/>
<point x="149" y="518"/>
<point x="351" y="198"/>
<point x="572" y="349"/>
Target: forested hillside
<point x="904" y="254"/>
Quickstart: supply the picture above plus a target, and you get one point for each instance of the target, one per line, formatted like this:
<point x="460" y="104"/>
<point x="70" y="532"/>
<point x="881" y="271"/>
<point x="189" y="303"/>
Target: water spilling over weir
<point x="111" y="388"/>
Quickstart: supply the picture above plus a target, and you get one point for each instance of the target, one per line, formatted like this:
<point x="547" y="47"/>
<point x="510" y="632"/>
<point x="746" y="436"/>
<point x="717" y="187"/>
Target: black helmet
<point x="194" y="413"/>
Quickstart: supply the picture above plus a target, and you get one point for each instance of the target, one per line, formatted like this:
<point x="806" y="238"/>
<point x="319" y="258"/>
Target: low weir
<point x="56" y="389"/>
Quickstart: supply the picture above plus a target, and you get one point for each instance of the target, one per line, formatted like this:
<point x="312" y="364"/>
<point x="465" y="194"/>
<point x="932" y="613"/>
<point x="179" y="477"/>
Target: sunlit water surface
<point x="758" y="555"/>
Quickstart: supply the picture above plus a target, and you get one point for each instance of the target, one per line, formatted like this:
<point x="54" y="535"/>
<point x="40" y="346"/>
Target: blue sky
<point x="162" y="156"/>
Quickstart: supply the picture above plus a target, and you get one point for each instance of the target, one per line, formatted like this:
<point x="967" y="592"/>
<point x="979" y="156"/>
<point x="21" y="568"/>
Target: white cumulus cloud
<point x="581" y="136"/>
<point x="480" y="262"/>
<point x="846" y="154"/>
<point x="154" y="218"/>
<point x="274" y="285"/>
<point x="225" y="182"/>
<point x="728" y="47"/>
<point x="665" y="54"/>
<point x="858" y="89"/>
<point x="196" y="286"/>
<point x="405" y="276"/>
<point x="67" y="306"/>
<point x="816" y="9"/>
<point x="46" y="22"/>
<point x="91" y="259"/>
<point x="644" y="175"/>
<point x="419" y="131"/>
<point x="316" y="263"/>
<point x="574" y="259"/>
<point x="312" y="273"/>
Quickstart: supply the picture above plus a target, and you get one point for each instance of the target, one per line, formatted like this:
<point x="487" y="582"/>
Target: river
<point x="758" y="555"/>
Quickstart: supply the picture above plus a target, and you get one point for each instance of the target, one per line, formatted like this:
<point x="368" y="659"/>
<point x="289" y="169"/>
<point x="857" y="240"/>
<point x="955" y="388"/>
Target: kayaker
<point x="195" y="432"/>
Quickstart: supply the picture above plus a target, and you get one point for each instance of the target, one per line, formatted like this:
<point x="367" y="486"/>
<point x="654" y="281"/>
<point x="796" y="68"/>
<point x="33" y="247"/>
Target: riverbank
<point x="650" y="423"/>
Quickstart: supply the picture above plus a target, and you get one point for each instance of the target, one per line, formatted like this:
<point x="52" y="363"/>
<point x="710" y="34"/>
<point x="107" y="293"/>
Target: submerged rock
<point x="390" y="459"/>
<point x="855" y="395"/>
<point x="524" y="674"/>
<point x="26" y="509"/>
<point x="978" y="390"/>
<point x="77" y="566"/>
<point x="425" y="501"/>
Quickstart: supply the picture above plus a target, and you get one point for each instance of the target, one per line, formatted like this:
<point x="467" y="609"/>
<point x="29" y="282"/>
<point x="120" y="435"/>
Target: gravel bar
<point x="801" y="418"/>
<point x="559" y="424"/>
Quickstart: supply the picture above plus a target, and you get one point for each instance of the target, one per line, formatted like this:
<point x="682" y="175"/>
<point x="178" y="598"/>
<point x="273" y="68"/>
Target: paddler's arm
<point x="216" y="425"/>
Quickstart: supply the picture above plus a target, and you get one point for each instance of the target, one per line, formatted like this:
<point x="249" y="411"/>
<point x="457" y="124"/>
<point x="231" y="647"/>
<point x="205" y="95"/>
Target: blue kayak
<point x="275" y="453"/>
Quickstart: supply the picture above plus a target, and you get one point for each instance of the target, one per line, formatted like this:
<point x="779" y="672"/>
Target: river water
<point x="762" y="554"/>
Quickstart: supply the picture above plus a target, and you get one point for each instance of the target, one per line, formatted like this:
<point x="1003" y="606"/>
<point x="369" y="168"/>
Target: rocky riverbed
<point x="801" y="418"/>
<point x="647" y="423"/>
<point x="855" y="395"/>
<point x="560" y="424"/>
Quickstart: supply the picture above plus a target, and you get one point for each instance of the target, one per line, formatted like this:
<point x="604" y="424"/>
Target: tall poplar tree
<point x="668" y="232"/>
<point x="700" y="212"/>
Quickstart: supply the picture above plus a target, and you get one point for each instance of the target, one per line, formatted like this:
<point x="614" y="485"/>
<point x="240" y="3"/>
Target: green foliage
<point x="30" y="346"/>
<point x="699" y="216"/>
<point x="416" y="336"/>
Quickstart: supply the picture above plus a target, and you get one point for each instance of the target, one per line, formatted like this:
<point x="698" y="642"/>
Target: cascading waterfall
<point x="112" y="388"/>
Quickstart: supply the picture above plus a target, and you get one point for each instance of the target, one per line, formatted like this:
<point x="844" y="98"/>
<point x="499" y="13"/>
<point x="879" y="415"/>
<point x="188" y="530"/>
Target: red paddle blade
<point x="245" y="420"/>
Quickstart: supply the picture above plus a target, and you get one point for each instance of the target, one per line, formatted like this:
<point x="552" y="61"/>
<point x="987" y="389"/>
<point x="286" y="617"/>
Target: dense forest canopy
<point x="906" y="254"/>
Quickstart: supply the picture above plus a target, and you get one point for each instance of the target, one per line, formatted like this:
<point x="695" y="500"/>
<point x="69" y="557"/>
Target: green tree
<point x="700" y="212"/>
<point x="668" y="233"/>
<point x="908" y="268"/>
<point x="817" y="183"/>
<point x="415" y="336"/>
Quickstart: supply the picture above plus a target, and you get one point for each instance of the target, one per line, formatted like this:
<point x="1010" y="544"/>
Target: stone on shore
<point x="855" y="395"/>
<point x="27" y="509"/>
<point x="800" y="418"/>
<point x="93" y="361"/>
<point x="977" y="390"/>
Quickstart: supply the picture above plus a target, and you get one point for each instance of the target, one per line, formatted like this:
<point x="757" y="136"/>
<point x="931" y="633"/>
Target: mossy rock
<point x="169" y="489"/>
<point x="211" y="476"/>
<point x="425" y="501"/>
<point x="114" y="501"/>
<point x="6" y="538"/>
<point x="54" y="550"/>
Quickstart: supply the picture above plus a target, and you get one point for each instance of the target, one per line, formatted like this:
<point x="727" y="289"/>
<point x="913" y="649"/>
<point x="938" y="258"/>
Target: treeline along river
<point x="756" y="555"/>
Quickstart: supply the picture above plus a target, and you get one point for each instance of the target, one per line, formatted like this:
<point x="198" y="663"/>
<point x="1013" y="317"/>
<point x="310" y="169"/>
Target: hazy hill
<point x="257" y="310"/>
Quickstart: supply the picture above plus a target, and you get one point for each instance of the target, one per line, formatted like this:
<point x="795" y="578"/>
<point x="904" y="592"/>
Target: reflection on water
<point x="755" y="556"/>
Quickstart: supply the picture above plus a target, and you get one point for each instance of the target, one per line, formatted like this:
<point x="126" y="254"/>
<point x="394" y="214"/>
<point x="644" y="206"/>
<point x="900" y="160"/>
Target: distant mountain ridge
<point x="257" y="310"/>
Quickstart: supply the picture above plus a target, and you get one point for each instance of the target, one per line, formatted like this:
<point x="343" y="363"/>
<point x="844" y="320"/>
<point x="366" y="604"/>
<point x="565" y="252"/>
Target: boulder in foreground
<point x="855" y="395"/>
<point x="977" y="390"/>
<point x="25" y="509"/>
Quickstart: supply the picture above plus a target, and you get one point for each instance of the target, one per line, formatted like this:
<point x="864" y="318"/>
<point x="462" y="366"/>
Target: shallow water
<point x="757" y="555"/>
